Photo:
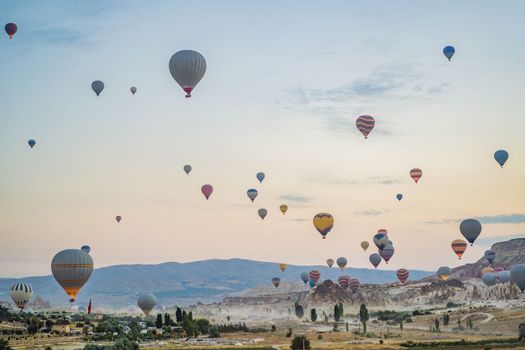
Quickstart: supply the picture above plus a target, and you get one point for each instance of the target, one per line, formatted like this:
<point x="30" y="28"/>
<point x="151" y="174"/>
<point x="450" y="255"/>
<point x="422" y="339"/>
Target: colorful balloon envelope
<point x="330" y="263"/>
<point x="375" y="259"/>
<point x="252" y="194"/>
<point x="21" y="294"/>
<point x="72" y="269"/>
<point x="187" y="169"/>
<point x="31" y="143"/>
<point x="207" y="190"/>
<point x="489" y="278"/>
<point x="501" y="157"/>
<point x="133" y="90"/>
<point x="459" y="246"/>
<point x="490" y="255"/>
<point x="260" y="176"/>
<point x="282" y="267"/>
<point x="146" y="303"/>
<point x="315" y="275"/>
<point x="387" y="252"/>
<point x="486" y="270"/>
<point x="470" y="229"/>
<point x="187" y="67"/>
<point x="97" y="86"/>
<point x="365" y="124"/>
<point x="341" y="262"/>
<point x="262" y="213"/>
<point x="402" y="275"/>
<point x="276" y="281"/>
<point x="444" y="273"/>
<point x="304" y="277"/>
<point x="517" y="275"/>
<point x="10" y="29"/>
<point x="354" y="284"/>
<point x="416" y="174"/>
<point x="503" y="276"/>
<point x="323" y="222"/>
<point x="311" y="283"/>
<point x="365" y="245"/>
<point x="86" y="248"/>
<point x="380" y="240"/>
<point x="399" y="196"/>
<point x="449" y="51"/>
<point x="118" y="218"/>
<point x="283" y="208"/>
<point x="343" y="281"/>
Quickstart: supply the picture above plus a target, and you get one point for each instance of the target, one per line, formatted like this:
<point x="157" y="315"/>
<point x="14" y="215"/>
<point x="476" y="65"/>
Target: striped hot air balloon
<point x="402" y="275"/>
<point x="21" y="294"/>
<point x="315" y="275"/>
<point x="354" y="284"/>
<point x="343" y="281"/>
<point x="72" y="269"/>
<point x="387" y="252"/>
<point x="459" y="246"/>
<point x="416" y="174"/>
<point x="323" y="222"/>
<point x="365" y="124"/>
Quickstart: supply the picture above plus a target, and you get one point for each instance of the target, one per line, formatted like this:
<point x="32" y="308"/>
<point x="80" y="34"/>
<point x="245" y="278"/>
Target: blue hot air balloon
<point x="501" y="157"/>
<point x="399" y="196"/>
<point x="260" y="176"/>
<point x="252" y="194"/>
<point x="311" y="283"/>
<point x="449" y="51"/>
<point x="31" y="143"/>
<point x="304" y="277"/>
<point x="470" y="229"/>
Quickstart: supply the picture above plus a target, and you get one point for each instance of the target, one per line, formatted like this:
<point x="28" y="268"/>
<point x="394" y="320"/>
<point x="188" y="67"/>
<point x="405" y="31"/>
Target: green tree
<point x="401" y="325"/>
<point x="436" y="322"/>
<point x="34" y="325"/>
<point x="346" y="326"/>
<point x="446" y="319"/>
<point x="190" y="316"/>
<point x="289" y="333"/>
<point x="299" y="312"/>
<point x="167" y="320"/>
<point x="313" y="315"/>
<point x="203" y="325"/>
<point x="337" y="313"/>
<point x="4" y="344"/>
<point x="158" y="322"/>
<point x="178" y="315"/>
<point x="363" y="316"/>
<point x="300" y="342"/>
<point x="214" y="332"/>
<point x="341" y="310"/>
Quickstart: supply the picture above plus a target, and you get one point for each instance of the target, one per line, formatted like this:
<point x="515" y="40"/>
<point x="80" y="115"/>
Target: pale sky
<point x="284" y="84"/>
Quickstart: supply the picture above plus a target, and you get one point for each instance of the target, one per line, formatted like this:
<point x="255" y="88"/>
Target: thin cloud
<point x="374" y="180"/>
<point x="296" y="198"/>
<point x="490" y="219"/>
<point x="372" y="212"/>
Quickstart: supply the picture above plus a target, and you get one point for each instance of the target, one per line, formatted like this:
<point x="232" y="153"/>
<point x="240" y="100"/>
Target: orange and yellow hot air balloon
<point x="365" y="245"/>
<point x="459" y="246"/>
<point x="323" y="222"/>
<point x="282" y="267"/>
<point x="283" y="208"/>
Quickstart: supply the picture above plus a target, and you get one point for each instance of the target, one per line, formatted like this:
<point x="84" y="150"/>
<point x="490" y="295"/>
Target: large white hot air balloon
<point x="72" y="269"/>
<point x="187" y="67"/>
<point x="21" y="294"/>
<point x="147" y="302"/>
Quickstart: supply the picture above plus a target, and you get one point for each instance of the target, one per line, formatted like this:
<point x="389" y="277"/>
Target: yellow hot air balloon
<point x="323" y="222"/>
<point x="72" y="269"/>
<point x="365" y="245"/>
<point x="283" y="266"/>
<point x="284" y="208"/>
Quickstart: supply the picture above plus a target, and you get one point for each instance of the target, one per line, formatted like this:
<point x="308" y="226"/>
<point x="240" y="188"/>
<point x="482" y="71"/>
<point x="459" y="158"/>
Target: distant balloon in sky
<point x="97" y="86"/>
<point x="276" y="281"/>
<point x="187" y="67"/>
<point x="330" y="263"/>
<point x="387" y="252"/>
<point x="207" y="190"/>
<point x="118" y="218"/>
<point x="72" y="269"/>
<point x="402" y="275"/>
<point x="517" y="275"/>
<point x="31" y="143"/>
<point x="470" y="229"/>
<point x="146" y="303"/>
<point x="21" y="294"/>
<point x="282" y="267"/>
<point x="375" y="259"/>
<point x="260" y="176"/>
<point x="365" y="124"/>
<point x="365" y="245"/>
<point x="449" y="51"/>
<point x="459" y="246"/>
<point x="133" y="90"/>
<point x="444" y="273"/>
<point x="304" y="277"/>
<point x="315" y="275"/>
<point x="341" y="262"/>
<point x="10" y="29"/>
<point x="283" y="208"/>
<point x="187" y="169"/>
<point x="501" y="157"/>
<point x="416" y="174"/>
<point x="262" y="213"/>
<point x="252" y="194"/>
<point x="323" y="222"/>
<point x="86" y="248"/>
<point x="490" y="255"/>
<point x="489" y="278"/>
<point x="399" y="196"/>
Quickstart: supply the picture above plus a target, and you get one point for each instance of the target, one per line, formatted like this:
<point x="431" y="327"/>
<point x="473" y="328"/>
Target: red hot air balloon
<point x="207" y="190"/>
<point x="10" y="29"/>
<point x="315" y="275"/>
<point x="354" y="284"/>
<point x="365" y="124"/>
<point x="118" y="218"/>
<point x="402" y="275"/>
<point x="416" y="174"/>
<point x="459" y="246"/>
<point x="343" y="281"/>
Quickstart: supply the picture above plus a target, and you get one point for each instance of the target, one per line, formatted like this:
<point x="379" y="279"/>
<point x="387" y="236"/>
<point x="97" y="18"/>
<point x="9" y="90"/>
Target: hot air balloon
<point x="498" y="269"/>
<point x="399" y="196"/>
<point x="304" y="277"/>
<point x="444" y="273"/>
<point x="311" y="283"/>
<point x="315" y="275"/>
<point x="416" y="174"/>
<point x="260" y="176"/>
<point x="72" y="269"/>
<point x="147" y="302"/>
<point x="365" y="124"/>
<point x="375" y="259"/>
<point x="470" y="229"/>
<point x="343" y="281"/>
<point x="517" y="275"/>
<point x="341" y="262"/>
<point x="330" y="262"/>
<point x="365" y="245"/>
<point x="402" y="275"/>
<point x="86" y="248"/>
<point x="490" y="255"/>
<point x="354" y="284"/>
<point x="503" y="276"/>
<point x="10" y="29"/>
<point x="489" y="278"/>
<point x="486" y="270"/>
<point x="97" y="86"/>
<point x="501" y="157"/>
<point x="118" y="218"/>
<point x="133" y="90"/>
<point x="276" y="281"/>
<point x="283" y="208"/>
<point x="282" y="267"/>
<point x="449" y="51"/>
<point x="187" y="169"/>
<point x="262" y="213"/>
<point x="323" y="222"/>
<point x="207" y="190"/>
<point x="380" y="240"/>
<point x="252" y="194"/>
<point x="187" y="67"/>
<point x="21" y="294"/>
<point x="459" y="246"/>
<point x="387" y="252"/>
